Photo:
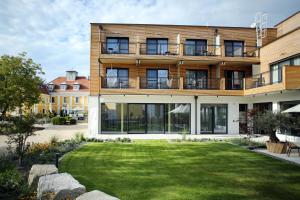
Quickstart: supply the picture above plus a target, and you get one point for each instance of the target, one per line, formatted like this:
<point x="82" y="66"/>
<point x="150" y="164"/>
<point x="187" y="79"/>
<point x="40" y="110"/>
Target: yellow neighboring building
<point x="64" y="95"/>
<point x="69" y="94"/>
<point x="43" y="106"/>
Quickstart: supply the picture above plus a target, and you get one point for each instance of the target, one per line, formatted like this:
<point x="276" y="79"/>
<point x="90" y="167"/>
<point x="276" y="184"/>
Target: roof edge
<point x="135" y="24"/>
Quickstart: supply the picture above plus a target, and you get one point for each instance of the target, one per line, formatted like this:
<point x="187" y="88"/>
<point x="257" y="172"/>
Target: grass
<point x="162" y="170"/>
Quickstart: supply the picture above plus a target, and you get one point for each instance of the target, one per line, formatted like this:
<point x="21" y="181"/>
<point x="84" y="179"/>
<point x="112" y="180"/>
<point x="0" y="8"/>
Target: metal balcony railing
<point x="202" y="84"/>
<point x="234" y="84"/>
<point x="159" y="49"/>
<point x="159" y="83"/>
<point x="115" y="82"/>
<point x="201" y="50"/>
<point x="118" y="48"/>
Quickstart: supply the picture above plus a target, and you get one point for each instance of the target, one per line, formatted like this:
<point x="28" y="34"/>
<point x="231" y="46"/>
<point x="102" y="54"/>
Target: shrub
<point x="6" y="162"/>
<point x="73" y="121"/>
<point x="54" y="140"/>
<point x="58" y="120"/>
<point x="10" y="180"/>
<point x="68" y="118"/>
<point x="79" y="137"/>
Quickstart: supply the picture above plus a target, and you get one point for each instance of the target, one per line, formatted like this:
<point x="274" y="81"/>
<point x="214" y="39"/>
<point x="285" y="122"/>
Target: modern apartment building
<point x="69" y="94"/>
<point x="147" y="78"/>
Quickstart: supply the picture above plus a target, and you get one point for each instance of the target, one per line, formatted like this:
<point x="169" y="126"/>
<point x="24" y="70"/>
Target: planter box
<point x="279" y="147"/>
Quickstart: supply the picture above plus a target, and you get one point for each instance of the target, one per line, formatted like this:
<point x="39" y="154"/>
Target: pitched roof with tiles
<point x="82" y="80"/>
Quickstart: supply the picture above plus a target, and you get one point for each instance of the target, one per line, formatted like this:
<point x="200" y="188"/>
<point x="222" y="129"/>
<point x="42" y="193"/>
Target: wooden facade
<point x="137" y="61"/>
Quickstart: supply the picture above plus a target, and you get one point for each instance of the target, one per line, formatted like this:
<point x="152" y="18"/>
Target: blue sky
<point x="55" y="33"/>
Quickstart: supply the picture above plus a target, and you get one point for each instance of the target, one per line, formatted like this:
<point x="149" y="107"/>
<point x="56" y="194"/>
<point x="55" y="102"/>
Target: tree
<point x="18" y="129"/>
<point x="19" y="82"/>
<point x="270" y="122"/>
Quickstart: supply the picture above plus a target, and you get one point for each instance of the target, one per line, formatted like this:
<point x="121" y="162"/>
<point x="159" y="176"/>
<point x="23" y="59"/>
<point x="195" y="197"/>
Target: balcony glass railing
<point x="201" y="50"/>
<point x="159" y="83"/>
<point x="115" y="82"/>
<point x="234" y="84"/>
<point x="202" y="84"/>
<point x="118" y="48"/>
<point x="159" y="49"/>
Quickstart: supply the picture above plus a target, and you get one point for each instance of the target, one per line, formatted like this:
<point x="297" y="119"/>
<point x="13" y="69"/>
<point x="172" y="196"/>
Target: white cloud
<point x="55" y="33"/>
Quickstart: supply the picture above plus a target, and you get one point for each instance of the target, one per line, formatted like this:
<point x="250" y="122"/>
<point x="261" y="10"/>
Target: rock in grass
<point x="96" y="195"/>
<point x="37" y="171"/>
<point x="59" y="186"/>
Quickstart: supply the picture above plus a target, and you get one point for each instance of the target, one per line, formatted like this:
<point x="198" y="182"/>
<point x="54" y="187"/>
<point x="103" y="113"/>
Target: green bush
<point x="68" y="118"/>
<point x="73" y="121"/>
<point x="58" y="120"/>
<point x="10" y="180"/>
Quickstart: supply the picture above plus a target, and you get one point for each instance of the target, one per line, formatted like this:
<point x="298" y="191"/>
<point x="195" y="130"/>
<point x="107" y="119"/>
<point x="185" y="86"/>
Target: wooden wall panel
<point x="282" y="48"/>
<point x="288" y="25"/>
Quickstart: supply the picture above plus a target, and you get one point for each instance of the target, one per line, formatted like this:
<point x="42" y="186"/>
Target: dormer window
<point x="63" y="86"/>
<point x="50" y="87"/>
<point x="76" y="86"/>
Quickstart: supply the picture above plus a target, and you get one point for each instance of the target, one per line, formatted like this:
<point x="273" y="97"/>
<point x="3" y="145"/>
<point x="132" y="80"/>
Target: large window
<point x="114" y="117"/>
<point x="196" y="79"/>
<point x="115" y="45"/>
<point x="145" y="118"/>
<point x="234" y="48"/>
<point x="157" y="46"/>
<point x="195" y="47"/>
<point x="117" y="78"/>
<point x="157" y="78"/>
<point x="214" y="118"/>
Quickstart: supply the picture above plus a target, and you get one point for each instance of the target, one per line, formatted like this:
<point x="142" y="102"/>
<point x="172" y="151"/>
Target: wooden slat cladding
<point x="282" y="48"/>
<point x="292" y="74"/>
<point x="94" y="65"/>
<point x="288" y="25"/>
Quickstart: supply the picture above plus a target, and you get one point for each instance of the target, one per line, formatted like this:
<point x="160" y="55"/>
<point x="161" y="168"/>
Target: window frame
<point x="231" y="43"/>
<point x="156" y="43"/>
<point x="119" y="43"/>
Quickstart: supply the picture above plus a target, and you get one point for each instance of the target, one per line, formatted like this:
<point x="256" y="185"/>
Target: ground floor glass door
<point x="155" y="118"/>
<point x="214" y="119"/>
<point x="136" y="118"/>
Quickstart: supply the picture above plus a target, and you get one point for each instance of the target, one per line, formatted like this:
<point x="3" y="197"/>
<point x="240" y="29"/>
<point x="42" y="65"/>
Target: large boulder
<point x="59" y="186"/>
<point x="96" y="195"/>
<point x="37" y="171"/>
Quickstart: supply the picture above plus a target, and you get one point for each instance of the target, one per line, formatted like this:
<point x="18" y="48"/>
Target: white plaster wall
<point x="231" y="101"/>
<point x="93" y="116"/>
<point x="289" y="138"/>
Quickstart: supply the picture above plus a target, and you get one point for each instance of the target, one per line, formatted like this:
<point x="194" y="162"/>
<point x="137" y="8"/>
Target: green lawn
<point x="201" y="171"/>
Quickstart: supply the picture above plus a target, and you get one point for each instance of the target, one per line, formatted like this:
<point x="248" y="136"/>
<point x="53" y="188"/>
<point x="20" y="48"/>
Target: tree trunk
<point x="273" y="137"/>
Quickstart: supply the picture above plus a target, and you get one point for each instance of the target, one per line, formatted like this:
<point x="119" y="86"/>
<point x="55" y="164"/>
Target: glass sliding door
<point x="157" y="78"/>
<point x="213" y="118"/>
<point x="117" y="78"/>
<point x="178" y="118"/>
<point x="220" y="121"/>
<point x="114" y="117"/>
<point x="136" y="118"/>
<point x="196" y="79"/>
<point x="157" y="46"/>
<point x="155" y="118"/>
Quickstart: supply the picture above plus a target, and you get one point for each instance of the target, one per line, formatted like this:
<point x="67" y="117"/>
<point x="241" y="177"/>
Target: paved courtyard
<point x="62" y="132"/>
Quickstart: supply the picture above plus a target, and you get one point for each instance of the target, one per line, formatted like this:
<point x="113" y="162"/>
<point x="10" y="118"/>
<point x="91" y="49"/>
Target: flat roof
<point x="133" y="24"/>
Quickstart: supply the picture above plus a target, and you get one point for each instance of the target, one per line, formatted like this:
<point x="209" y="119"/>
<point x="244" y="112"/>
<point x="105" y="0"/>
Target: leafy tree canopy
<point x="19" y="82"/>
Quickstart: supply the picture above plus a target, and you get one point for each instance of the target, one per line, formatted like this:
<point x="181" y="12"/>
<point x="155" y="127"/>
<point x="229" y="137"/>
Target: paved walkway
<point x="293" y="158"/>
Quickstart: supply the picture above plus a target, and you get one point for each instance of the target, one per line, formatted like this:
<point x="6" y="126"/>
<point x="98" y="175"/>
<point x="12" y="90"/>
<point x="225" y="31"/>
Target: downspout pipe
<point x="196" y="112"/>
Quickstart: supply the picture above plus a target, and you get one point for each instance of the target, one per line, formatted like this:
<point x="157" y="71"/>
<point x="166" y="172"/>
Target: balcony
<point x="159" y="83"/>
<point x="115" y="82"/>
<point x="196" y="50"/>
<point x="202" y="84"/>
<point x="166" y="49"/>
<point x="118" y="48"/>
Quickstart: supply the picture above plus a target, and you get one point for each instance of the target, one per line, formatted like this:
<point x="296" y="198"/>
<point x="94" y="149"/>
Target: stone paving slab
<point x="293" y="158"/>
